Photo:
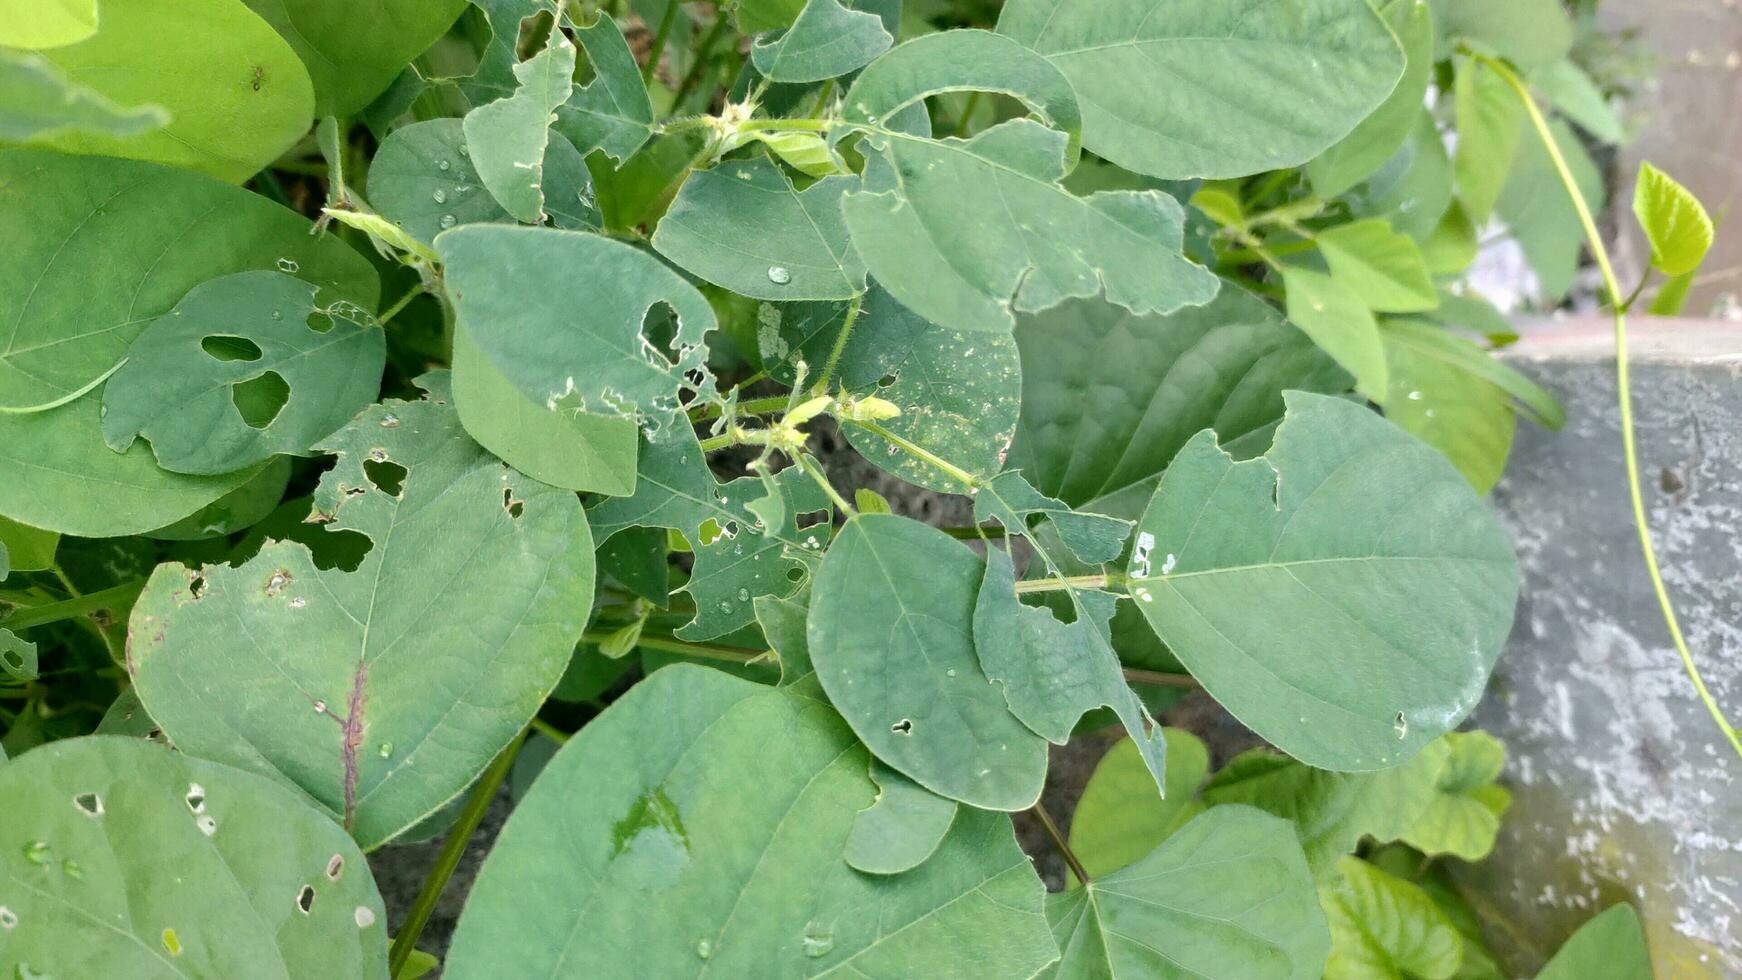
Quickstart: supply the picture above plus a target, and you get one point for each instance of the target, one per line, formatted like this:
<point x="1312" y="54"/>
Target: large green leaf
<point x="1012" y="501"/>
<point x="1119" y="818"/>
<point x="37" y="101"/>
<point x="1227" y="896"/>
<point x="98" y="248"/>
<point x="1610" y="945"/>
<point x="1345" y="596"/>
<point x="826" y="40"/>
<point x="123" y="858"/>
<point x="1540" y="215"/>
<point x="408" y="674"/>
<point x="1335" y="316"/>
<point x="422" y="180"/>
<point x="1675" y="223"/>
<point x="1371" y="143"/>
<point x="612" y="112"/>
<point x="967" y="234"/>
<point x="508" y="137"/>
<point x="895" y="651"/>
<point x="1108" y="397"/>
<point x="700" y="823"/>
<point x="1463" y="816"/>
<point x="236" y="94"/>
<point x="561" y="314"/>
<point x="902" y="828"/>
<point x="32" y="24"/>
<point x="184" y="384"/>
<point x="354" y="49"/>
<point x="30" y="549"/>
<point x="1382" y="267"/>
<point x="241" y="508"/>
<point x="1384" y="927"/>
<point x="1435" y="397"/>
<point x="563" y="447"/>
<point x="1213" y="89"/>
<point x="742" y="225"/>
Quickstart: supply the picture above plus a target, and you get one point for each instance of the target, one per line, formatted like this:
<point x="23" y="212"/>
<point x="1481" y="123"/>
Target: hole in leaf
<point x="13" y="660"/>
<point x="305" y="899"/>
<point x="514" y="507"/>
<point x="388" y="476"/>
<point x="902" y="727"/>
<point x="795" y="574"/>
<point x="811" y="518"/>
<point x="335" y="867"/>
<point x="886" y="381"/>
<point x="8" y="918"/>
<point x="659" y="327"/>
<point x="260" y="399"/>
<point x="225" y="348"/>
<point x="89" y="803"/>
<point x="171" y="942"/>
<point x="319" y="321"/>
<point x="196" y="798"/>
<point x="196" y="585"/>
<point x="534" y="32"/>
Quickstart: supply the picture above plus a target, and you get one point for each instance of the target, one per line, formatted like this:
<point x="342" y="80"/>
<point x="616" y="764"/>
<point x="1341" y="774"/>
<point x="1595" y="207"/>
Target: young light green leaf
<point x="1190" y="90"/>
<point x="1227" y="897"/>
<point x="826" y="41"/>
<point x="189" y="378"/>
<point x="37" y="101"/>
<point x="1566" y="87"/>
<point x="1540" y="215"/>
<point x="1120" y="818"/>
<point x="1452" y="246"/>
<point x="1611" y="945"/>
<point x="731" y="801"/>
<point x="743" y="226"/>
<point x="1463" y="816"/>
<point x="174" y="56"/>
<point x="1437" y="399"/>
<point x="88" y="267"/>
<point x="1381" y="134"/>
<point x="1052" y="673"/>
<point x="1384" y="926"/>
<point x="1335" y="316"/>
<point x="507" y="138"/>
<point x="354" y="50"/>
<point x="1414" y="188"/>
<point x="1108" y="397"/>
<point x="565" y="447"/>
<point x="33" y="24"/>
<point x="561" y="313"/>
<point x="1490" y="131"/>
<point x="1528" y="33"/>
<point x="31" y="549"/>
<point x="266" y="885"/>
<point x="736" y="560"/>
<point x="1011" y="500"/>
<point x="1379" y="265"/>
<point x="1675" y="223"/>
<point x="1344" y="596"/>
<point x="612" y="112"/>
<point x="901" y="828"/>
<point x="411" y="672"/>
<point x="973" y="232"/>
<point x="895" y="652"/>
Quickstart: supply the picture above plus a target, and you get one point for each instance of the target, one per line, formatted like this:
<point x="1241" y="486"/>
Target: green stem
<point x="1156" y="678"/>
<point x="549" y="731"/>
<point x="921" y="453"/>
<point x="720" y="441"/>
<point x="1058" y="842"/>
<point x="449" y="859"/>
<point x="975" y="533"/>
<point x="816" y="473"/>
<point x="1065" y="583"/>
<point x="834" y="361"/>
<point x="699" y="65"/>
<point x="753" y="406"/>
<point x="787" y="125"/>
<point x="701" y="651"/>
<point x="400" y="304"/>
<point x="84" y="605"/>
<point x="1624" y="391"/>
<point x="659" y="36"/>
<point x="967" y="116"/>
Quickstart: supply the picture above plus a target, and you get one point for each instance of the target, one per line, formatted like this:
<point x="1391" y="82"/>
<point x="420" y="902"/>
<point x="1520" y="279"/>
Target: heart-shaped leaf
<point x="354" y="50"/>
<point x="1119" y="818"/>
<point x="1383" y="925"/>
<point x="507" y="138"/>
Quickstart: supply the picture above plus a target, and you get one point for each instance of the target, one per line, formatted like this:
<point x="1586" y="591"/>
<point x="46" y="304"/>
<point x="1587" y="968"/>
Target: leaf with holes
<point x="1344" y="596"/>
<point x="18" y="656"/>
<point x="895" y="652"/>
<point x="245" y="367"/>
<point x="826" y="41"/>
<point x="611" y="113"/>
<point x="650" y="799"/>
<point x="353" y="50"/>
<point x="508" y="138"/>
<point x="97" y="829"/>
<point x="1011" y="500"/>
<point x="430" y="656"/>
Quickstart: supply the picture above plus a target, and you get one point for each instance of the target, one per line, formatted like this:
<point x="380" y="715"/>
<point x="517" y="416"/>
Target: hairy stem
<point x="1066" y="582"/>
<point x="659" y="37"/>
<point x="919" y="452"/>
<point x="84" y="605"/>
<point x="700" y="64"/>
<point x="701" y="651"/>
<point x="840" y="347"/>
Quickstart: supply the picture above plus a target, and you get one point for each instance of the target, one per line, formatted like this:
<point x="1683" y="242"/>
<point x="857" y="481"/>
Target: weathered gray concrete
<point x="1623" y="788"/>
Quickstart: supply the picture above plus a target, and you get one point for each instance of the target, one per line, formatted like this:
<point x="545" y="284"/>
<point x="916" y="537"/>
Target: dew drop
<point x="817" y="940"/>
<point x="743" y="595"/>
<point x="386" y="750"/>
<point x="779" y="275"/>
<point x="364" y="916"/>
<point x="440" y="196"/>
<point x="950" y="673"/>
<point x="390" y="421"/>
<point x="71" y="869"/>
<point x="447" y="221"/>
<point x="704" y="949"/>
<point x="444" y="165"/>
<point x="38" y="852"/>
<point x="288" y="265"/>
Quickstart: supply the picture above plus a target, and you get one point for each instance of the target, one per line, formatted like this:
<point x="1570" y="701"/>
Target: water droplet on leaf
<point x="779" y="275"/>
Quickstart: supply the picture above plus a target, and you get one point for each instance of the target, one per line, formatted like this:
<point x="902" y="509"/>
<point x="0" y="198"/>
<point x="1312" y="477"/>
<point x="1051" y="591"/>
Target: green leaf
<point x="1490" y="131"/>
<point x="1052" y="673"/>
<point x="895" y="652"/>
<point x="37" y="101"/>
<point x="185" y="383"/>
<point x="737" y="561"/>
<point x="1344" y="596"/>
<point x="32" y="24"/>
<point x="238" y="510"/>
<point x="561" y="314"/>
<point x="494" y="78"/>
<point x="1463" y="817"/>
<point x="612" y="112"/>
<point x="1675" y="223"/>
<point x="17" y="655"/>
<point x="1191" y="90"/>
<point x="98" y="248"/>
<point x="1011" y="500"/>
<point x="1610" y="945"/>
<point x="1384" y="927"/>
<point x="236" y="94"/>
<point x="1108" y="397"/>
<point x="1435" y="397"/>
<point x="1120" y="818"/>
<point x="974" y="232"/>
<point x="1452" y="246"/>
<point x="731" y="802"/>
<point x="508" y="137"/>
<point x="563" y="447"/>
<point x="354" y="50"/>
<point x="1529" y="33"/>
<point x="743" y="226"/>
<point x="1227" y="896"/>
<point x="783" y="625"/>
<point x="1381" y="134"/>
<point x="411" y="672"/>
<point x="1334" y="315"/>
<point x="901" y="829"/>
<point x="1379" y="265"/>
<point x="1414" y="188"/>
<point x="422" y="180"/>
<point x="1540" y="215"/>
<point x="249" y="881"/>
<point x="885" y="336"/>
<point x="1566" y="87"/>
<point x="1331" y="812"/>
<point x="1468" y="311"/>
<point x="959" y="394"/>
<point x="31" y="549"/>
<point x="826" y="41"/>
